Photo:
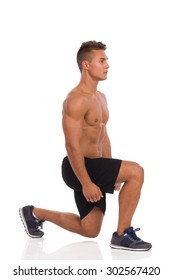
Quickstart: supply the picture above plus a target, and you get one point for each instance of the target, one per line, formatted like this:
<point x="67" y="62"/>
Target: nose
<point x="107" y="65"/>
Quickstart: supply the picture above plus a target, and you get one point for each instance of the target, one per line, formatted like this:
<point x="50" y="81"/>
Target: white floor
<point x="62" y="247"/>
<point x="70" y="247"/>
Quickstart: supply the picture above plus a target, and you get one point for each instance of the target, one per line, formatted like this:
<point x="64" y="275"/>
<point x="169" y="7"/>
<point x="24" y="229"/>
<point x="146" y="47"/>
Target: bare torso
<point x="94" y="127"/>
<point x="93" y="122"/>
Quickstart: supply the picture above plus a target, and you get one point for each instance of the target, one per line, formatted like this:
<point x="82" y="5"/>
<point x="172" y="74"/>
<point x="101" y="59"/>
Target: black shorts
<point x="102" y="171"/>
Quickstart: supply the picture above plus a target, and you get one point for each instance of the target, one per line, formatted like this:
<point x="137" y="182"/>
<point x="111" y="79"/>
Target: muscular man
<point x="89" y="168"/>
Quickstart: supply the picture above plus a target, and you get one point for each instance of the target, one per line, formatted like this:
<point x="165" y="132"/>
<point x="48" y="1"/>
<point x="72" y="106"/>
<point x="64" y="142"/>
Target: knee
<point x="91" y="233"/>
<point x="138" y="173"/>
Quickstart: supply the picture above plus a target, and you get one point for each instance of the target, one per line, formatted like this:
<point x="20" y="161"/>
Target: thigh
<point x="93" y="221"/>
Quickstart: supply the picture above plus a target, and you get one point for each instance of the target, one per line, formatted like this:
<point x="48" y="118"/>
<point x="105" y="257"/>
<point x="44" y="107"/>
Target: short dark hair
<point x="85" y="50"/>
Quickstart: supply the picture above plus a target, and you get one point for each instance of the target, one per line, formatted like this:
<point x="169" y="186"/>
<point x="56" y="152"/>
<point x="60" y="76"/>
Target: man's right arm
<point x="74" y="110"/>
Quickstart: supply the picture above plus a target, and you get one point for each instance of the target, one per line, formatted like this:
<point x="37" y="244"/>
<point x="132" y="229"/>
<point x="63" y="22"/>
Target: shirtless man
<point x="89" y="168"/>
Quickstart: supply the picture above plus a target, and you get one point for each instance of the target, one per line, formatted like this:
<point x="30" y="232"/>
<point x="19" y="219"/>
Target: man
<point x="89" y="168"/>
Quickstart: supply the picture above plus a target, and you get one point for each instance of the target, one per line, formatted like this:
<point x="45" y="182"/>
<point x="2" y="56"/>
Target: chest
<point x="97" y="113"/>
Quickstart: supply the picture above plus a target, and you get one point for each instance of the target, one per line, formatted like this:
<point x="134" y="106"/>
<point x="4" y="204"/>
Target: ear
<point x="85" y="64"/>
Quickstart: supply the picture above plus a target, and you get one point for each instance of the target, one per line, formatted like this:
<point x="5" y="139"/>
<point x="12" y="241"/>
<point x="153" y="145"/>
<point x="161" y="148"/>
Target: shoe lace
<point x="133" y="234"/>
<point x="39" y="224"/>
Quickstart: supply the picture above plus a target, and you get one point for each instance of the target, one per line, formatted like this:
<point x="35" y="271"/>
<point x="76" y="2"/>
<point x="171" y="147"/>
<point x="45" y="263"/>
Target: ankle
<point x="34" y="213"/>
<point x="119" y="233"/>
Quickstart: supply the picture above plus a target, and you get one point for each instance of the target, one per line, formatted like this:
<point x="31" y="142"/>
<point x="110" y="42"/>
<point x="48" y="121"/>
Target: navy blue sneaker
<point x="31" y="223"/>
<point x="129" y="241"/>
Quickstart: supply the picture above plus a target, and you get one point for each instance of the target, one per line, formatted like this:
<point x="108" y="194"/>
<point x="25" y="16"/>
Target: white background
<point x="39" y="42"/>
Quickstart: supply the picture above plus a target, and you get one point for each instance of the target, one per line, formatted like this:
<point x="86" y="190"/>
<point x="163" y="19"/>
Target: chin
<point x="102" y="79"/>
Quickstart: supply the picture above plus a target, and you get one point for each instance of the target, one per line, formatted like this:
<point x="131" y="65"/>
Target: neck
<point x="89" y="85"/>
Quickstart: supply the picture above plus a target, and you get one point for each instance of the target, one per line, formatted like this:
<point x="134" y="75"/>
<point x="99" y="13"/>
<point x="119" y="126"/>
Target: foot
<point x="31" y="223"/>
<point x="129" y="241"/>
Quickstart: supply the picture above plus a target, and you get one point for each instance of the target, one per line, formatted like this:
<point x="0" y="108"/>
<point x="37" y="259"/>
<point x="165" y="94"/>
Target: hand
<point x="117" y="186"/>
<point x="92" y="192"/>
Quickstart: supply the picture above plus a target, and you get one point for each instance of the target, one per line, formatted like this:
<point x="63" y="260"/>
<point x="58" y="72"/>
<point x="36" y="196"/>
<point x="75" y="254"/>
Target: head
<point x="85" y="51"/>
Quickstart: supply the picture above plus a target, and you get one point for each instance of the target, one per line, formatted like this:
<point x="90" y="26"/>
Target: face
<point x="98" y="66"/>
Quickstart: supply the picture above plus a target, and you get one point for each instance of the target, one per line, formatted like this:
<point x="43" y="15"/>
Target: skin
<point x="85" y="115"/>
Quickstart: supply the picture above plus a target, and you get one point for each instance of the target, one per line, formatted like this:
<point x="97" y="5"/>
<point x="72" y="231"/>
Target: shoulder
<point x="76" y="103"/>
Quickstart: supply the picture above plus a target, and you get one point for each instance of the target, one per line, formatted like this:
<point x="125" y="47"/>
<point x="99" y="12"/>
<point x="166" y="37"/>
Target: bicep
<point x="72" y="129"/>
<point x="72" y="121"/>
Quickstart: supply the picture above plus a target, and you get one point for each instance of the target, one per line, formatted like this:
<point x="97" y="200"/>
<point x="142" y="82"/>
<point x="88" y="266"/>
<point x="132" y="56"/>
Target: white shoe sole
<point x="25" y="225"/>
<point x="128" y="249"/>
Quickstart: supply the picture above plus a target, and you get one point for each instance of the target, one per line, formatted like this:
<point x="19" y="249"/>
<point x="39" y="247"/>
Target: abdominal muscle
<point x="91" y="141"/>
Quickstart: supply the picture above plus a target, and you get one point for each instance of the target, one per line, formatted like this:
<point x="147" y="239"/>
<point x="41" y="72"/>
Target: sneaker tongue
<point x="129" y="230"/>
